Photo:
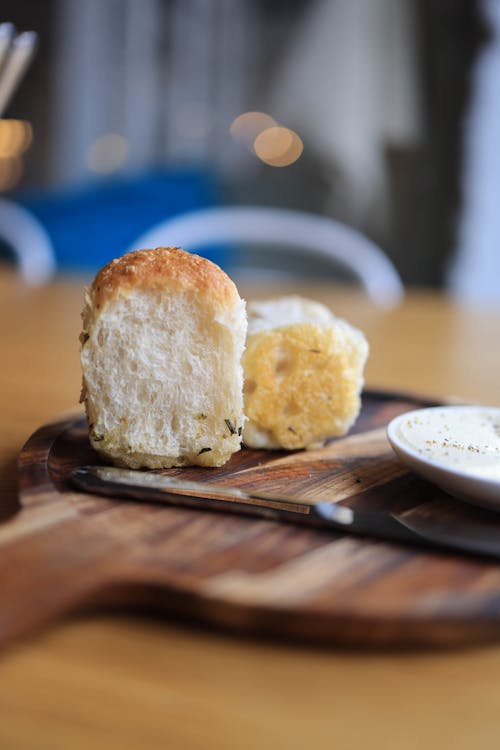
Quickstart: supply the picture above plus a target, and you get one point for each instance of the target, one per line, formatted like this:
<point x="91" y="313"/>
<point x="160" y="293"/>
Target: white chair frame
<point x="29" y="241"/>
<point x="287" y="230"/>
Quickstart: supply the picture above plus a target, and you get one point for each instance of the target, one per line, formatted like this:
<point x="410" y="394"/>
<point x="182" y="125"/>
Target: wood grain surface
<point x="124" y="681"/>
<point x="72" y="551"/>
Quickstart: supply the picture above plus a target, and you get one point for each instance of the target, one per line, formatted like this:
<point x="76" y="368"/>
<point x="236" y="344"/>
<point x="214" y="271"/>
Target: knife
<point x="407" y="527"/>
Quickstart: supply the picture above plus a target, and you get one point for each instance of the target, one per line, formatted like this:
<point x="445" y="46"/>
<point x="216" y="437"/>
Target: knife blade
<point x="405" y="527"/>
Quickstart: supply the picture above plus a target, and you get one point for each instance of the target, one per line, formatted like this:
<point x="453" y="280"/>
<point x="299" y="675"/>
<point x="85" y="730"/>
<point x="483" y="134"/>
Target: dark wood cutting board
<point x="67" y="551"/>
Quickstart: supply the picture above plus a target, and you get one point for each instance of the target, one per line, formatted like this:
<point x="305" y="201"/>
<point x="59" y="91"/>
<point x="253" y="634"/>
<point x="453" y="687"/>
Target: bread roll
<point x="303" y="370"/>
<point x="163" y="335"/>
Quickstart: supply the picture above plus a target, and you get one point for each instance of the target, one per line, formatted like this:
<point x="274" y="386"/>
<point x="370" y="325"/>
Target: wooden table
<point x="130" y="682"/>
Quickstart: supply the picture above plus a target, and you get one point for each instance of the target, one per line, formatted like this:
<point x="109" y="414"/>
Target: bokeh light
<point x="15" y="137"/>
<point x="107" y="153"/>
<point x="246" y="127"/>
<point x="278" y="146"/>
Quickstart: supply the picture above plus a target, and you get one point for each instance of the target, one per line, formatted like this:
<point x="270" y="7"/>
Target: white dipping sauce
<point x="463" y="438"/>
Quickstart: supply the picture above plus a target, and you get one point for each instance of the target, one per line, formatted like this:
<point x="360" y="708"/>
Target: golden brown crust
<point x="162" y="268"/>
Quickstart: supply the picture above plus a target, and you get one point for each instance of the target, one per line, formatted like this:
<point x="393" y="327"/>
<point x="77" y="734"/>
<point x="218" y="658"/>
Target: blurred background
<point x="381" y="114"/>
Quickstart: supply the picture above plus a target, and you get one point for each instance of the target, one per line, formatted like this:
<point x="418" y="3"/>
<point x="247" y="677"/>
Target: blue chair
<point x="81" y="229"/>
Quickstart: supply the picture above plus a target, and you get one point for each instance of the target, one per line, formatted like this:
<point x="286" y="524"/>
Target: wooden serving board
<point x="67" y="551"/>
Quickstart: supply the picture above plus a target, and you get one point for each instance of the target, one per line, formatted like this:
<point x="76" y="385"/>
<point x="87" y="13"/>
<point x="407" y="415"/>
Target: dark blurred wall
<point x="32" y="100"/>
<point x="424" y="182"/>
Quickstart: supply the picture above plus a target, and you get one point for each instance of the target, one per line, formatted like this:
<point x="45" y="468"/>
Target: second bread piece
<point x="303" y="371"/>
<point x="163" y="334"/>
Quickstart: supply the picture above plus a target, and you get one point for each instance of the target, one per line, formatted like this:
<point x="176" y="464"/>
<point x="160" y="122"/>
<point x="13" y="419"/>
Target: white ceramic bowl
<point x="472" y="473"/>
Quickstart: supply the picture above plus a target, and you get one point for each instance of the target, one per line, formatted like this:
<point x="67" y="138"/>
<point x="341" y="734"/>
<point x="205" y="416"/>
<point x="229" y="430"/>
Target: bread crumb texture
<point x="303" y="379"/>
<point x="163" y="334"/>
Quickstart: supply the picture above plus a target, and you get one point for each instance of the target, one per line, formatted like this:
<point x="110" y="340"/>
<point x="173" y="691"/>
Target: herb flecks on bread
<point x="163" y="334"/>
<point x="303" y="371"/>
